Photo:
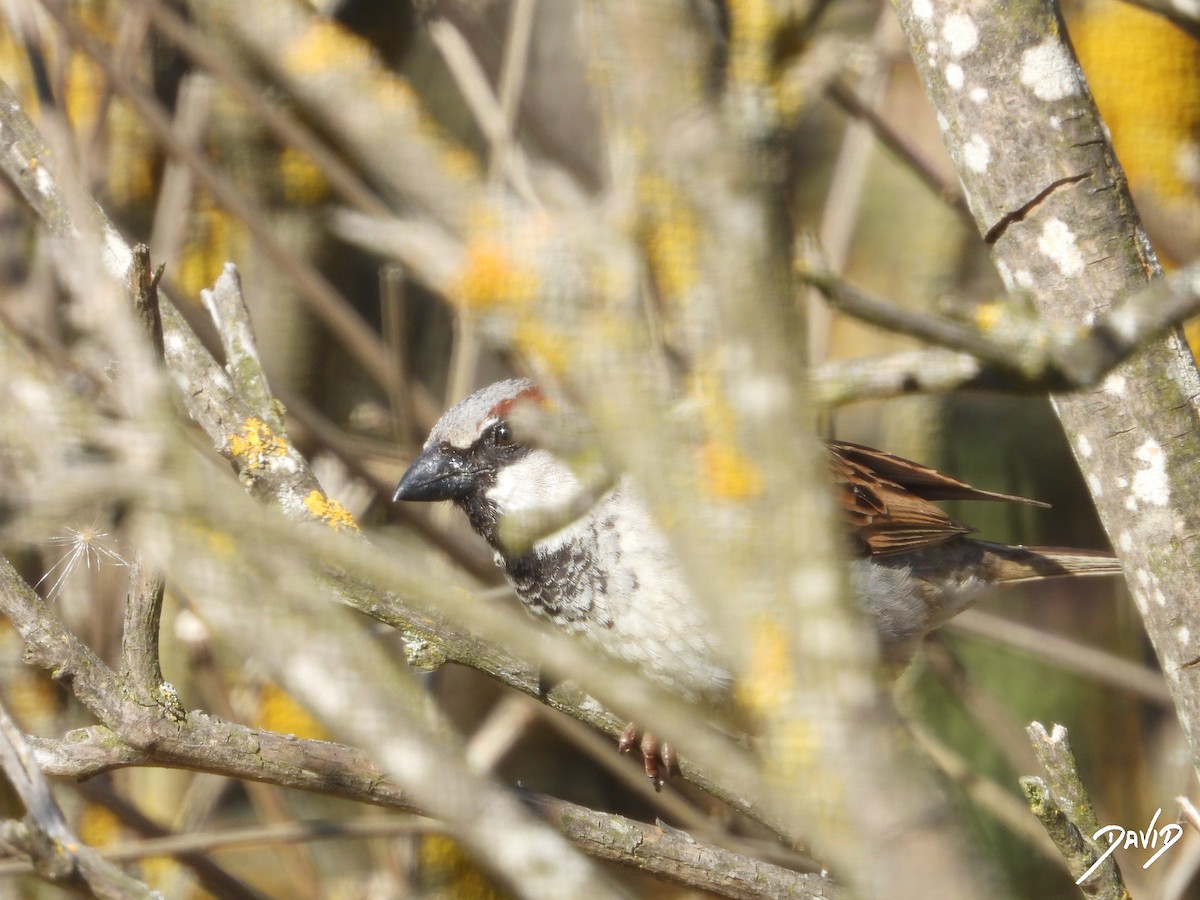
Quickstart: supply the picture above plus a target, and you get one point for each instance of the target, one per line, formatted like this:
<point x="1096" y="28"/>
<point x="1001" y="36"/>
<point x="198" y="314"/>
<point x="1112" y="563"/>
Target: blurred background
<point x="194" y="148"/>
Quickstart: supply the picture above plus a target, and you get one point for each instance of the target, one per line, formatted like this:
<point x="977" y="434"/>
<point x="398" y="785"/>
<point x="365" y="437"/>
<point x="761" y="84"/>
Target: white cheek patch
<point x="535" y="481"/>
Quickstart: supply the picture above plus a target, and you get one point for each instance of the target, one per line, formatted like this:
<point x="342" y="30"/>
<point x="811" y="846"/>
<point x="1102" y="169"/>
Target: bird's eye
<point x="502" y="435"/>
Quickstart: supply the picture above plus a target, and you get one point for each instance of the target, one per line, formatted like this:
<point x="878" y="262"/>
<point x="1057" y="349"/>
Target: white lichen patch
<point x="1048" y="70"/>
<point x="1187" y="161"/>
<point x="118" y="258"/>
<point x="1139" y="600"/>
<point x="1114" y="384"/>
<point x="1084" y="446"/>
<point x="1005" y="273"/>
<point x="1124" y="323"/>
<point x="173" y="344"/>
<point x="961" y="34"/>
<point x="1125" y="542"/>
<point x="1184" y="634"/>
<point x="43" y="181"/>
<point x="1024" y="279"/>
<point x="955" y="77"/>
<point x="1150" y="486"/>
<point x="1057" y="242"/>
<point x="978" y="95"/>
<point x="923" y="10"/>
<point x="1095" y="486"/>
<point x="977" y="154"/>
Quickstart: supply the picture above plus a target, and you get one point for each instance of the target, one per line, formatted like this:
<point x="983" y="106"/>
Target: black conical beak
<point x="437" y="474"/>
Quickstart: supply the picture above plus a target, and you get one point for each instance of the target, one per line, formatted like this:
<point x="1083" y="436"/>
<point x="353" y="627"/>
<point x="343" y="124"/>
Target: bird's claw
<point x="659" y="760"/>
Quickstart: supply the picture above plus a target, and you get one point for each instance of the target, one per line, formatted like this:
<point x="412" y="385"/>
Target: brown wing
<point x="886" y="499"/>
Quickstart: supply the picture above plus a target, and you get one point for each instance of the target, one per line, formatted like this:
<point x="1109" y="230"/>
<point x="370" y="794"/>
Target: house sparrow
<point x="609" y="574"/>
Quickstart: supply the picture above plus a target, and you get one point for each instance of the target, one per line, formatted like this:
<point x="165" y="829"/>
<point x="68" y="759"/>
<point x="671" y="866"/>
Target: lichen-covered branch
<point x="1063" y="231"/>
<point x="1061" y="803"/>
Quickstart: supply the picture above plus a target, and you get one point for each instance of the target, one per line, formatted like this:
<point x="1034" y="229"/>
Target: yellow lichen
<point x="728" y="473"/>
<point x="533" y="340"/>
<point x="214" y="237"/>
<point x="84" y="87"/>
<point x="256" y="443"/>
<point x="769" y="671"/>
<point x="671" y="237"/>
<point x="278" y="712"/>
<point x="323" y="46"/>
<point x="218" y="543"/>
<point x="753" y="24"/>
<point x="446" y="870"/>
<point x="302" y="179"/>
<point x="492" y="277"/>
<point x="988" y="316"/>
<point x="459" y="163"/>
<point x="98" y="826"/>
<point x="330" y="512"/>
<point x="765" y="691"/>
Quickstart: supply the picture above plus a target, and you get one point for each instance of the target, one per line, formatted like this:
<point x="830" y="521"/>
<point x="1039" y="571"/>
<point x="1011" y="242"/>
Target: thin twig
<point x="230" y="72"/>
<point x="1062" y="804"/>
<point x="324" y="300"/>
<point x="1088" y="662"/>
<point x="1026" y="348"/>
<point x="946" y="190"/>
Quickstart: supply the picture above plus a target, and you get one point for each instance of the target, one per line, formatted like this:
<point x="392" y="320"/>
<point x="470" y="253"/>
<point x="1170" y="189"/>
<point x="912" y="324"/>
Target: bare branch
<point x="1024" y="353"/>
<point x="44" y="836"/>
<point x="1062" y="803"/>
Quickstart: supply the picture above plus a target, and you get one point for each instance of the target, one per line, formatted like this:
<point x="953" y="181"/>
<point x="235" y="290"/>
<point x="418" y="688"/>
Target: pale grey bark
<point x="1052" y="202"/>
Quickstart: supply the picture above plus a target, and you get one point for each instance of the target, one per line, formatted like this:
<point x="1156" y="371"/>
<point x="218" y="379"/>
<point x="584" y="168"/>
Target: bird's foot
<point x="659" y="759"/>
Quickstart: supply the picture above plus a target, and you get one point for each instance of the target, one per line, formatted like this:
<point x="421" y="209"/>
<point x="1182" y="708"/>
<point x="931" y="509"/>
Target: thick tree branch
<point x="1077" y="253"/>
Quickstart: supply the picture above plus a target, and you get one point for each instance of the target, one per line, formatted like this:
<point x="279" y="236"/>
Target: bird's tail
<point x="1017" y="564"/>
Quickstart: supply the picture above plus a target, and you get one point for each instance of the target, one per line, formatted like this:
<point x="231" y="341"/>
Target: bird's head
<point x="475" y="458"/>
